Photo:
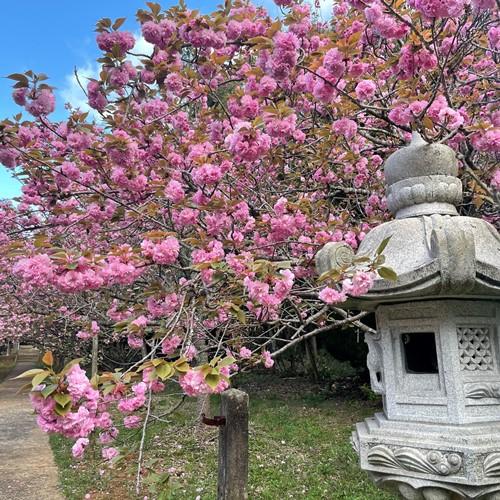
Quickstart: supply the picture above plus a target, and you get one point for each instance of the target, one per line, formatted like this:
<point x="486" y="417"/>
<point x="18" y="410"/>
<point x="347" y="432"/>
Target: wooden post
<point x="233" y="446"/>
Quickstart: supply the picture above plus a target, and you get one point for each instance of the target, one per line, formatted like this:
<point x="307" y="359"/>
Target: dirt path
<point x="27" y="469"/>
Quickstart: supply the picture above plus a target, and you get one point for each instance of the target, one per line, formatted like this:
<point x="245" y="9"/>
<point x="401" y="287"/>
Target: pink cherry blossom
<point x="331" y="296"/>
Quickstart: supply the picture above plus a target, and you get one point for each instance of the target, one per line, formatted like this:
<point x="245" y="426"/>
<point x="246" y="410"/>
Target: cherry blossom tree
<point x="184" y="219"/>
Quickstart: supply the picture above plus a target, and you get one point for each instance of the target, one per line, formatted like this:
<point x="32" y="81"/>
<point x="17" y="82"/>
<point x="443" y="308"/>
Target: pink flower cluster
<point x="158" y="33"/>
<point x="122" y="41"/>
<point x="96" y="95"/>
<point x="40" y="102"/>
<point x="207" y="173"/>
<point x="346" y="127"/>
<point x="358" y="285"/>
<point x="90" y="332"/>
<point x="88" y="411"/>
<point x="131" y="404"/>
<point x="262" y="296"/>
<point x="174" y="191"/>
<point x="495" y="180"/>
<point x="193" y="383"/>
<point x="170" y="344"/>
<point x="284" y="56"/>
<point x="159" y="307"/>
<point x="412" y="62"/>
<point x="365" y="90"/>
<point x="36" y="271"/>
<point x="268" y="360"/>
<point x="247" y="143"/>
<point x="164" y="252"/>
<point x="384" y="24"/>
<point x="439" y="8"/>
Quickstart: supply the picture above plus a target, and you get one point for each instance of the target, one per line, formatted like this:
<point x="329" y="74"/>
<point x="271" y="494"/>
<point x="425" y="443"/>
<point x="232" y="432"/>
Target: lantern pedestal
<point x="431" y="461"/>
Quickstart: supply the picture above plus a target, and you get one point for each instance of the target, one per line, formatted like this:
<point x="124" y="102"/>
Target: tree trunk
<point x="312" y="360"/>
<point x="95" y="354"/>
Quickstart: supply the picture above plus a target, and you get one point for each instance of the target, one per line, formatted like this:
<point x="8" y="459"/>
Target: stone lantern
<point x="435" y="358"/>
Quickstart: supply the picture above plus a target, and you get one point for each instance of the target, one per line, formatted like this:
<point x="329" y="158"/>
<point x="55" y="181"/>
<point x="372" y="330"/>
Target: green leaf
<point x="212" y="380"/>
<point x="361" y="259"/>
<point x="155" y="7"/>
<point x="38" y="379"/>
<point x="283" y="264"/>
<point x="164" y="371"/>
<point x="239" y="313"/>
<point x="49" y="390"/>
<point x="387" y="273"/>
<point x="108" y="389"/>
<point x="62" y="399"/>
<point x="206" y="369"/>
<point x="333" y="274"/>
<point x="94" y="381"/>
<point x="121" y="324"/>
<point x="62" y="410"/>
<point x="226" y="362"/>
<point x="214" y="361"/>
<point x="181" y="365"/>
<point x="382" y="245"/>
<point x="30" y="373"/>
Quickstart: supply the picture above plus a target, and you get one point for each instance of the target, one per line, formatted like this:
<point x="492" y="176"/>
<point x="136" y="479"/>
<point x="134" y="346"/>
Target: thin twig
<point x="141" y="447"/>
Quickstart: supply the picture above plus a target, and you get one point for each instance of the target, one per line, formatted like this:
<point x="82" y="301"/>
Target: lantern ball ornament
<point x="435" y="357"/>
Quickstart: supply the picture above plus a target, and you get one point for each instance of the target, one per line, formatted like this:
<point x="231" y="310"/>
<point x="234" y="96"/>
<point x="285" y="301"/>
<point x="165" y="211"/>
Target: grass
<point x="299" y="449"/>
<point x="6" y="365"/>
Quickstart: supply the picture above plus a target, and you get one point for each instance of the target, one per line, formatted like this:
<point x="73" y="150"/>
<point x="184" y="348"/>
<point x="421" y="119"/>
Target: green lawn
<point x="6" y="365"/>
<point x="299" y="449"/>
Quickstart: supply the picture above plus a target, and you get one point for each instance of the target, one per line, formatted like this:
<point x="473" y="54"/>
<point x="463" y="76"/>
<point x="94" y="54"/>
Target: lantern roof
<point x="435" y="252"/>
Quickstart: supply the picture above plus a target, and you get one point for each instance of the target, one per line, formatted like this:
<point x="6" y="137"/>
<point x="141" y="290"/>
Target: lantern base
<point x="423" y="461"/>
<point x="417" y="489"/>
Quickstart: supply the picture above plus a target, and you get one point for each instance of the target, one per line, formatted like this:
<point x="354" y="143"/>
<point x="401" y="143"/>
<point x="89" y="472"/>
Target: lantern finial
<point x="421" y="179"/>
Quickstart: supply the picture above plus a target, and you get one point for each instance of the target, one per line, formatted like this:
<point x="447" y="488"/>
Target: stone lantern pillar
<point x="435" y="358"/>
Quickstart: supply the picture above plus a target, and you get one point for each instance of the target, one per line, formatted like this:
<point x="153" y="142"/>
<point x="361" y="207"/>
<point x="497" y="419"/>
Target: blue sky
<point x="54" y="37"/>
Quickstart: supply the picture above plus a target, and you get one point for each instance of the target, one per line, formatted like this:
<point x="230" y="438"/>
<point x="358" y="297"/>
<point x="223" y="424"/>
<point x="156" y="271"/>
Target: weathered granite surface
<point x="435" y="357"/>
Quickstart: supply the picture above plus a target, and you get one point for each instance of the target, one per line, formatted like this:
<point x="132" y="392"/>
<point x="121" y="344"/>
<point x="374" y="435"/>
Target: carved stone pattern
<point x="417" y="190"/>
<point x="334" y="256"/>
<point x="411" y="459"/>
<point x="375" y="364"/>
<point x="482" y="390"/>
<point x="409" y="489"/>
<point x="474" y="346"/>
<point x="491" y="465"/>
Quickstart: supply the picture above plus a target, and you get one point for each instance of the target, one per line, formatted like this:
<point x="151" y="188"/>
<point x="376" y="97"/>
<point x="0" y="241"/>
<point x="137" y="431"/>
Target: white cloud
<point x="72" y="93"/>
<point x="141" y="47"/>
<point x="325" y="10"/>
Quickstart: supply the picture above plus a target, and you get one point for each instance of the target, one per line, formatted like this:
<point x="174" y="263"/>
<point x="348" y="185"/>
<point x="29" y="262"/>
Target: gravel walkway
<point x="27" y="469"/>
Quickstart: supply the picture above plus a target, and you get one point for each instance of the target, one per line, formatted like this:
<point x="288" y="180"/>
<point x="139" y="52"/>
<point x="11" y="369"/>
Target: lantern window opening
<point x="420" y="353"/>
